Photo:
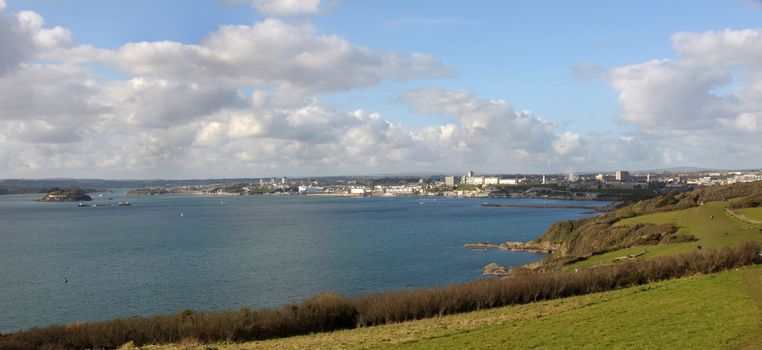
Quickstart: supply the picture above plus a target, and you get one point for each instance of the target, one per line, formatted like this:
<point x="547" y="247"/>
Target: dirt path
<point x="742" y="217"/>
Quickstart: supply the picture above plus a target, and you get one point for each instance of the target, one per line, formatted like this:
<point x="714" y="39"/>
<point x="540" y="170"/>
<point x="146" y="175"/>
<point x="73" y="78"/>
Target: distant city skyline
<point x="260" y="88"/>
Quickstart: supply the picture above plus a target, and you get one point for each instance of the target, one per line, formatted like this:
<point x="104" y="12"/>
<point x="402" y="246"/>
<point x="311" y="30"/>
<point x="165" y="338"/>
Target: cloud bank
<point x="706" y="104"/>
<point x="244" y="102"/>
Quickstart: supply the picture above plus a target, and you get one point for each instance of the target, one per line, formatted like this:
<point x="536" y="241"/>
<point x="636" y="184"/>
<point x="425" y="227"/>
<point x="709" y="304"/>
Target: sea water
<point x="60" y="263"/>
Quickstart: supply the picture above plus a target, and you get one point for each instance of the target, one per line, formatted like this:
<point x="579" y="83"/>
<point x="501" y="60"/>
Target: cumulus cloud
<point x="163" y="103"/>
<point x="15" y="42"/>
<point x="485" y="121"/>
<point x="241" y="102"/>
<point x="293" y="57"/>
<point x="707" y="101"/>
<point x="287" y="7"/>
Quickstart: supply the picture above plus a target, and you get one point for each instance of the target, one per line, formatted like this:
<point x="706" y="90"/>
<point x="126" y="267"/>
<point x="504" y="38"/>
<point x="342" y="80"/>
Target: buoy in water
<point x="66" y="280"/>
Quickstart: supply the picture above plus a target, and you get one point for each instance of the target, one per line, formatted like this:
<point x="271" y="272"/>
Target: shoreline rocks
<point x="514" y="247"/>
<point x="494" y="269"/>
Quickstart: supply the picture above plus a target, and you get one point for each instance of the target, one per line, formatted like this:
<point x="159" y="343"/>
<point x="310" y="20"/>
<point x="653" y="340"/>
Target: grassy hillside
<point x="711" y="224"/>
<point x="669" y="224"/>
<point x="723" y="309"/>
<point x="752" y="213"/>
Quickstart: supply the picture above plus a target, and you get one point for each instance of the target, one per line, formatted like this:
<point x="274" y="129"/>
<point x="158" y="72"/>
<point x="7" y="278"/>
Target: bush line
<point x="330" y="311"/>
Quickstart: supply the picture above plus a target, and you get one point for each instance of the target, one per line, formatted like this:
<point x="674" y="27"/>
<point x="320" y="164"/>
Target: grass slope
<point x="722" y="311"/>
<point x="752" y="213"/>
<point x="709" y="223"/>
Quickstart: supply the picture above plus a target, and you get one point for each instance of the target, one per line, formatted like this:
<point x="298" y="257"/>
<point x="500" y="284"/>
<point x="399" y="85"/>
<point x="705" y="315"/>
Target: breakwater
<point x="551" y="206"/>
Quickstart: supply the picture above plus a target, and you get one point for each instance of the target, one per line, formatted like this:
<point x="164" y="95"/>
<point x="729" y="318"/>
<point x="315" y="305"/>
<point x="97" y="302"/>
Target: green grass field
<point x="752" y="213"/>
<point x="718" y="311"/>
<point x="710" y="223"/>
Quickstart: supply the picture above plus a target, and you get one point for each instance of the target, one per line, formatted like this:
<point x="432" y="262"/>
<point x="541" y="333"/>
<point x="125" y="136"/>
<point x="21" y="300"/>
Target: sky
<point x="259" y="88"/>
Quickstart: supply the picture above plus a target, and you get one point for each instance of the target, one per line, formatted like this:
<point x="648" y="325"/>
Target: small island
<point x="72" y="194"/>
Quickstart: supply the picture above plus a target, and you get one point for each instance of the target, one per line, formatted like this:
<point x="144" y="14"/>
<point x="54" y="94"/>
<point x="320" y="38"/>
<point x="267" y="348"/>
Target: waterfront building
<point x="474" y="180"/>
<point x="310" y="189"/>
<point x="512" y="181"/>
<point x="449" y="181"/>
<point x="401" y="190"/>
<point x="491" y="181"/>
<point x="622" y="175"/>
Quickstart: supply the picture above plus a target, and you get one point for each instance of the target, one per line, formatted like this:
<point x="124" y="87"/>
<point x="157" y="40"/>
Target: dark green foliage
<point x="66" y="194"/>
<point x="668" y="199"/>
<point x="586" y="237"/>
<point x="678" y="239"/>
<point x="750" y="201"/>
<point x="330" y="311"/>
<point x="380" y="308"/>
<point x="590" y="236"/>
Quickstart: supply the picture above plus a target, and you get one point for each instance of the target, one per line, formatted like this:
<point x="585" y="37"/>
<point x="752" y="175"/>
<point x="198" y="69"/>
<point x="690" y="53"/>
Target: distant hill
<point x="6" y="189"/>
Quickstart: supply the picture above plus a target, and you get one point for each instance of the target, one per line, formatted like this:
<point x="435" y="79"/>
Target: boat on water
<point x="83" y="205"/>
<point x="124" y="204"/>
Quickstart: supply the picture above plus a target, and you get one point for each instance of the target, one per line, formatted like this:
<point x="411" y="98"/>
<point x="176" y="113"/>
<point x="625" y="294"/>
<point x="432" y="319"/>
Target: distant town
<point x="617" y="185"/>
<point x="620" y="185"/>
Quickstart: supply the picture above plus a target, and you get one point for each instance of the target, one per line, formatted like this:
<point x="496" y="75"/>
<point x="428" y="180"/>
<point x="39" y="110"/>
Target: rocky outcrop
<point x="494" y="269"/>
<point x="531" y="247"/>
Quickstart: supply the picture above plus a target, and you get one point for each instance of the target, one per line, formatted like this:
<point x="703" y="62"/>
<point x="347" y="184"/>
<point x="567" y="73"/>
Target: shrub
<point x="380" y="308"/>
<point x="750" y="201"/>
<point x="330" y="311"/>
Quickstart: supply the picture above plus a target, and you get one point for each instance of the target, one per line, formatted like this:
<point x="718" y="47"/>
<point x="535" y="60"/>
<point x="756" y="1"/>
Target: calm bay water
<point x="228" y="252"/>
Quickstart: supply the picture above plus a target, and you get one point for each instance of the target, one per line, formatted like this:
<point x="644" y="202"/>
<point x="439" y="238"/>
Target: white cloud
<point x="292" y="57"/>
<point x="287" y="7"/>
<point x="36" y="91"/>
<point x="726" y="48"/>
<point x="15" y="42"/>
<point x="485" y="121"/>
<point x="567" y="143"/>
<point x="163" y="103"/>
<point x="704" y="104"/>
<point x="242" y="103"/>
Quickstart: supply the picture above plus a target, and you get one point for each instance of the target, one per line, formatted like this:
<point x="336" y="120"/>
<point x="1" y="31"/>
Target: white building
<point x="359" y="191"/>
<point x="491" y="181"/>
<point x="311" y="189"/>
<point x="401" y="190"/>
<point x="512" y="181"/>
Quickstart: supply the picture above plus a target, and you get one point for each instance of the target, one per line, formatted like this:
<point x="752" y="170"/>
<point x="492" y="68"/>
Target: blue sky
<point x="521" y="51"/>
<point x="528" y="54"/>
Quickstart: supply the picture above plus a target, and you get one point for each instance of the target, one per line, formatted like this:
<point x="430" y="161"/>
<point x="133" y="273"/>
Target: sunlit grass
<point x="752" y="213"/>
<point x="710" y="223"/>
<point x="719" y="309"/>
